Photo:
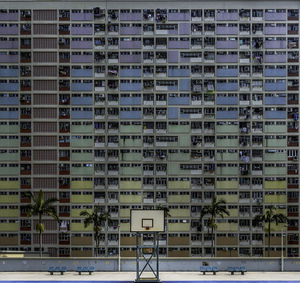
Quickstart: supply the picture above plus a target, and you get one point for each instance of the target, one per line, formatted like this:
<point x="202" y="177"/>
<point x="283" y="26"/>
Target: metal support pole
<point x="282" y="260"/>
<point x="157" y="257"/>
<point x="119" y="258"/>
<point x="146" y="259"/>
<point x="137" y="257"/>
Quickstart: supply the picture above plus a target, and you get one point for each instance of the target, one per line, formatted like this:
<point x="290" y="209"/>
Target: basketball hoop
<point x="144" y="223"/>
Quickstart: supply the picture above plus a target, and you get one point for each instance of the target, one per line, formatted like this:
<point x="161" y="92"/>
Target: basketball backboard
<point x="147" y="220"/>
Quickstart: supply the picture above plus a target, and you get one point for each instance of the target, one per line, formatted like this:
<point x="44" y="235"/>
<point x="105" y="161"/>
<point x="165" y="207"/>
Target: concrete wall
<point x="166" y="264"/>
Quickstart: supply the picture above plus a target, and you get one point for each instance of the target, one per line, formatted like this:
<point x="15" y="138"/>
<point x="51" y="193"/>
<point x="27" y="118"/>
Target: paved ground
<point x="164" y="276"/>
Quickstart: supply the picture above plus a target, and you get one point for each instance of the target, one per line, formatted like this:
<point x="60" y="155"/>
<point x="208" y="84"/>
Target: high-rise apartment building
<point x="135" y="104"/>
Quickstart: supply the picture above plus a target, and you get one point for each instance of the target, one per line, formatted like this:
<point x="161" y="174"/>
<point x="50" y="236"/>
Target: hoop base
<point x="147" y="280"/>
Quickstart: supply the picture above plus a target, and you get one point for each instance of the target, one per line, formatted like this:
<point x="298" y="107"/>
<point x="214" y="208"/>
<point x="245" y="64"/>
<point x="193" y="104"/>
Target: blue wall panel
<point x="275" y="115"/>
<point x="9" y="114"/>
<point x="82" y="87"/>
<point x="130" y="114"/>
<point x="130" y="100"/>
<point x="81" y="72"/>
<point x="9" y="100"/>
<point x="227" y="115"/>
<point x="82" y="114"/>
<point x="81" y="100"/>
<point x="227" y="100"/>
<point x="173" y="112"/>
<point x="185" y="84"/>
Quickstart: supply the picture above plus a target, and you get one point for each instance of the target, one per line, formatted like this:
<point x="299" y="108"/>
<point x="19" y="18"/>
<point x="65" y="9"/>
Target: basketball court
<point x="176" y="277"/>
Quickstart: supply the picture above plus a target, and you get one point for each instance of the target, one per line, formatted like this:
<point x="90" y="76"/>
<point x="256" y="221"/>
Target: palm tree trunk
<point x="207" y="233"/>
<point x="97" y="242"/>
<point x="97" y="248"/>
<point x="41" y="235"/>
<point x="269" y="238"/>
<point x="212" y="242"/>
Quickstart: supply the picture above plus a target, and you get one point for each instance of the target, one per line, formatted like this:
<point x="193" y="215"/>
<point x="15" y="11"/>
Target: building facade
<point x="135" y="104"/>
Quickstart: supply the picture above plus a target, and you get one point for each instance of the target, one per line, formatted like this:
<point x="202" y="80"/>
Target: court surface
<point x="169" y="277"/>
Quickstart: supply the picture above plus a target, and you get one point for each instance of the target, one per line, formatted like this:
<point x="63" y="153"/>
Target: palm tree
<point x="215" y="210"/>
<point x="98" y="219"/>
<point x="39" y="207"/>
<point x="269" y="217"/>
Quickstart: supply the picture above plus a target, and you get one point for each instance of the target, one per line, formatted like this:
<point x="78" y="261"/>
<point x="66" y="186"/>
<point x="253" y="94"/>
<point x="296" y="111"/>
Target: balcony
<point x="4" y="16"/>
<point x="275" y="16"/>
<point x="81" y="58"/>
<point x="269" y="114"/>
<point x="8" y="100"/>
<point x="227" y="72"/>
<point x="9" y="44"/>
<point x="275" y="58"/>
<point x="9" y="86"/>
<point x="82" y="30"/>
<point x="275" y="44"/>
<point x="130" y="100"/>
<point x="8" y="241"/>
<point x="275" y="86"/>
<point x="130" y="72"/>
<point x="275" y="72"/>
<point x="82" y="16"/>
<point x="130" y="16"/>
<point x="178" y="44"/>
<point x="9" y="114"/>
<point x="223" y="30"/>
<point x="179" y="16"/>
<point x="82" y="86"/>
<point x="9" y="30"/>
<point x="227" y="16"/>
<point x="227" y="44"/>
<point x="277" y="100"/>
<point x="130" y="58"/>
<point x="133" y="30"/>
<point x="130" y="44"/>
<point x="8" y="58"/>
<point x="227" y="100"/>
<point x="81" y="44"/>
<point x="227" y="86"/>
<point x="227" y="58"/>
<point x="275" y="30"/>
<point x="81" y="72"/>
<point x="177" y="72"/>
<point x="178" y="100"/>
<point x="130" y="86"/>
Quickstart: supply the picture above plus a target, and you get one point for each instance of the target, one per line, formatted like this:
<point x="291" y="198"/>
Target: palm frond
<point x="84" y="213"/>
<point x="280" y="218"/>
<point x="50" y="201"/>
<point x="40" y="198"/>
<point x="258" y="220"/>
<point x="88" y="221"/>
<point x="30" y="195"/>
<point x="204" y="211"/>
<point x="54" y="215"/>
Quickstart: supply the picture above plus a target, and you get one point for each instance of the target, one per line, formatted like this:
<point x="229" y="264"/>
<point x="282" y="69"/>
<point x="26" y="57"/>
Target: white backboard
<point x="147" y="220"/>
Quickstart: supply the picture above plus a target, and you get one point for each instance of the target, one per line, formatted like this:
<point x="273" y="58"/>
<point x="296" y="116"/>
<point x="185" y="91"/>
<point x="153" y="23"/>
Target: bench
<point x="58" y="269"/>
<point x="87" y="269"/>
<point x="237" y="269"/>
<point x="207" y="269"/>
